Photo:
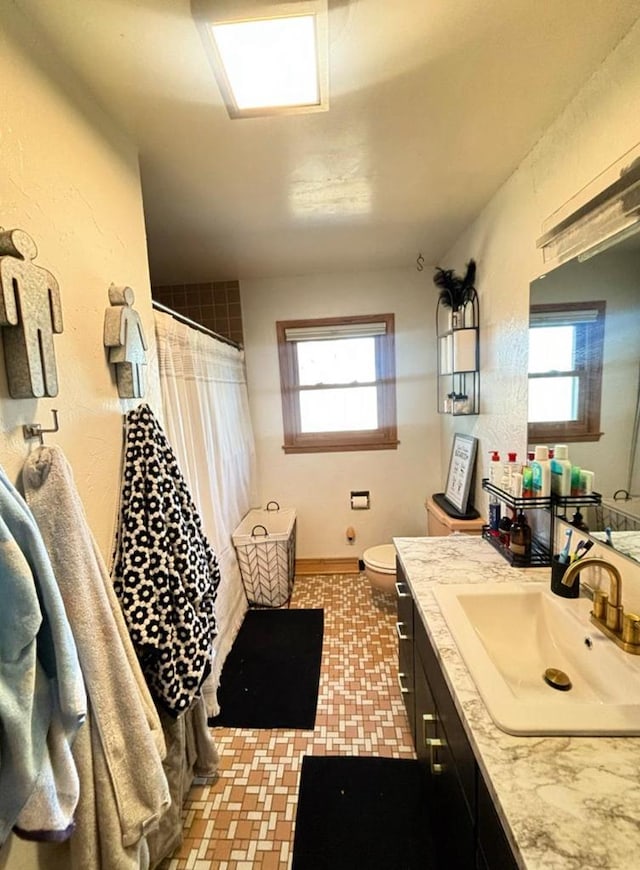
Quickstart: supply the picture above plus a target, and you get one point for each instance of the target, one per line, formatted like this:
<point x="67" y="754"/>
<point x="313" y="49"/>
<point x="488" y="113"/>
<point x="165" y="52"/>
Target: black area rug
<point x="270" y="678"/>
<point x="358" y="812"/>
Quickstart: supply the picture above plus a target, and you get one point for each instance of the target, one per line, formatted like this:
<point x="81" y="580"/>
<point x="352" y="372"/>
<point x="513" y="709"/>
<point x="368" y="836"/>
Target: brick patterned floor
<point x="245" y="819"/>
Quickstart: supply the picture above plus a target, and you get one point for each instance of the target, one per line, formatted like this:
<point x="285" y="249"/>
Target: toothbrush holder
<point x="558" y="570"/>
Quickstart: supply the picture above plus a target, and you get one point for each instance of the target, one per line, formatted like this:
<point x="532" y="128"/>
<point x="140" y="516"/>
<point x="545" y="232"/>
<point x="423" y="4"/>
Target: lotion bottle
<point x="560" y="471"/>
<point x="541" y="473"/>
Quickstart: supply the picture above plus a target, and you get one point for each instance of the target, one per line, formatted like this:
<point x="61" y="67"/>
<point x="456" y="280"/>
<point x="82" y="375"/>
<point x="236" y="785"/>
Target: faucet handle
<point x="600" y="601"/>
<point x="615" y="614"/>
<point x="631" y="628"/>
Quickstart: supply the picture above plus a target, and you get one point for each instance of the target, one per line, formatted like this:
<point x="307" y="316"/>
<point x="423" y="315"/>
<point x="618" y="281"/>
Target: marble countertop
<point x="567" y="803"/>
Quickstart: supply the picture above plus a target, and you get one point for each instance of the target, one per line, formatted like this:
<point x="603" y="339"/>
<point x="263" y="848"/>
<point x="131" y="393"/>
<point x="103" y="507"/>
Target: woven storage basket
<point x="265" y="543"/>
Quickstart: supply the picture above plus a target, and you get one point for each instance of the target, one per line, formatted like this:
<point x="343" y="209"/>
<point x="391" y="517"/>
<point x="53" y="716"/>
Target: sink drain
<point x="557" y="679"/>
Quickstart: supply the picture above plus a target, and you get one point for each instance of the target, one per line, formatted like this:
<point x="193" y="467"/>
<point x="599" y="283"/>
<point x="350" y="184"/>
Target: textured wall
<point x="600" y="125"/>
<point x="72" y="184"/>
<point x="318" y="484"/>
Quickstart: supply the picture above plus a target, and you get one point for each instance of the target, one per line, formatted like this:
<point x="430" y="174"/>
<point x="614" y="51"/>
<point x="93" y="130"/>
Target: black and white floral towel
<point x="165" y="572"/>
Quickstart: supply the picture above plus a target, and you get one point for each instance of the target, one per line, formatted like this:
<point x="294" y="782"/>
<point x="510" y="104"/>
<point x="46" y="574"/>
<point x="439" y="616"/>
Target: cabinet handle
<point x="427" y="719"/>
<point x="403" y="689"/>
<point x="434" y="744"/>
<point x="401" y="636"/>
<point x="400" y="593"/>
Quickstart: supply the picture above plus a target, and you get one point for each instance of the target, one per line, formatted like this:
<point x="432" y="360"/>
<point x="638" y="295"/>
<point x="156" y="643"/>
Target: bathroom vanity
<point x="500" y="801"/>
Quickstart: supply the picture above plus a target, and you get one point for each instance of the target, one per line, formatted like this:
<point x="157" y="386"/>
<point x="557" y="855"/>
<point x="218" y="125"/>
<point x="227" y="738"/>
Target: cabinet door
<point x="494" y="850"/>
<point x="450" y="820"/>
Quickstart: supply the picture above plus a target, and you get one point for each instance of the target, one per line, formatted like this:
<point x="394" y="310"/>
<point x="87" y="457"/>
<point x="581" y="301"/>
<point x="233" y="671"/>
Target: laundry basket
<point x="265" y="543"/>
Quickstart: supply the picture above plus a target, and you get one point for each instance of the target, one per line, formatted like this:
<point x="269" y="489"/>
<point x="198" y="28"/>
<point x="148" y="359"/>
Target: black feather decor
<point x="456" y="291"/>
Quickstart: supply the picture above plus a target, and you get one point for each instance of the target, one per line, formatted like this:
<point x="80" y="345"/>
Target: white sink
<point x="509" y="634"/>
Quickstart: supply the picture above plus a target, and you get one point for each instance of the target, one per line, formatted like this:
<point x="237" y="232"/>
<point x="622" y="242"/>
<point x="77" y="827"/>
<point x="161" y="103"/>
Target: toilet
<point x="380" y="567"/>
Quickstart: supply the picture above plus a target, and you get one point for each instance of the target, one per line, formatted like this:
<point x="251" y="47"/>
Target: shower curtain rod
<point x="193" y="324"/>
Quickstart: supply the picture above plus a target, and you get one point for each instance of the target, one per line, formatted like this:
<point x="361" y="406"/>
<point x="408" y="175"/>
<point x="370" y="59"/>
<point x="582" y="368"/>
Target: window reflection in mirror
<point x="565" y="371"/>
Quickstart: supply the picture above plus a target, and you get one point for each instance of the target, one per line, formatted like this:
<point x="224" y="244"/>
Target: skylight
<point x="268" y="58"/>
<point x="271" y="62"/>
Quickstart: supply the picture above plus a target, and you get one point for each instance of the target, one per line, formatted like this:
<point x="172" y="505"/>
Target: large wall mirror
<point x="610" y="276"/>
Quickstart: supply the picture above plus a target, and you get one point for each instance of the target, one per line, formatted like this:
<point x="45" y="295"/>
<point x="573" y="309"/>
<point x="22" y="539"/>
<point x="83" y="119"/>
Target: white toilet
<point x="380" y="567"/>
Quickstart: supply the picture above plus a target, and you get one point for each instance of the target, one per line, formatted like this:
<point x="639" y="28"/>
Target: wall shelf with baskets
<point x="457" y="331"/>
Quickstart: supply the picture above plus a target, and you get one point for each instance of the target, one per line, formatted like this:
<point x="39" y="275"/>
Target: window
<point x="337" y="378"/>
<point x="565" y="371"/>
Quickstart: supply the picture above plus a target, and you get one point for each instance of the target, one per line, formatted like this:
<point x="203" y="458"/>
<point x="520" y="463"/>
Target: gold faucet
<point x="608" y="614"/>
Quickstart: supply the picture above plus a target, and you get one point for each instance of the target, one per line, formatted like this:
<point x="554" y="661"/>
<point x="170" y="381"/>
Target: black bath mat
<point x="358" y="812"/>
<point x="270" y="678"/>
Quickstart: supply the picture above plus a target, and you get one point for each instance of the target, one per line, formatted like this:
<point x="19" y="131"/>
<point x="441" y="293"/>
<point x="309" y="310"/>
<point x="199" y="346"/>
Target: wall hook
<point x="35" y="430"/>
<point x="420" y="263"/>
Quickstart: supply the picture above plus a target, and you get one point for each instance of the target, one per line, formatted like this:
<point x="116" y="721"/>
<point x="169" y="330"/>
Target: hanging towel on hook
<point x="42" y="697"/>
<point x="124" y="788"/>
<point x="165" y="572"/>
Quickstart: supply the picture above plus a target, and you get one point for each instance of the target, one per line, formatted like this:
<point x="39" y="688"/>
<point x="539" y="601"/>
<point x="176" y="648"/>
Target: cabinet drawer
<point x="448" y="718"/>
<point x="404" y="629"/>
<point x="404" y="600"/>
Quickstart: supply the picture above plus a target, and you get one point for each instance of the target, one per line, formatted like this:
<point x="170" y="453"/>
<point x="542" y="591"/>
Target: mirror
<point x="613" y="276"/>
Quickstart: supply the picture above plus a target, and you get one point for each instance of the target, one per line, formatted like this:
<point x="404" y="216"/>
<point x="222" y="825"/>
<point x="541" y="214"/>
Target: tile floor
<point x="245" y="819"/>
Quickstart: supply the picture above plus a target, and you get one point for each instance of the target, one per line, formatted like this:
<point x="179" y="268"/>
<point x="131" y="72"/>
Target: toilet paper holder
<point x="360" y="500"/>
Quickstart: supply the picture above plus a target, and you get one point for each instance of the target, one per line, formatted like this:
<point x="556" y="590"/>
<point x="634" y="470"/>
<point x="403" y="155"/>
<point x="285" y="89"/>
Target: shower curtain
<point x="206" y="411"/>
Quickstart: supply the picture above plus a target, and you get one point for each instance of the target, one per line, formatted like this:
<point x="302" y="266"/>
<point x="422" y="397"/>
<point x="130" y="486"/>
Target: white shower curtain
<point x="206" y="410"/>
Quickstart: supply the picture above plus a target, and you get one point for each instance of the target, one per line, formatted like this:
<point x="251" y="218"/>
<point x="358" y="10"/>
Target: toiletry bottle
<point x="516" y="484"/>
<point x="495" y="468"/>
<point x="578" y="522"/>
<point x="504" y="530"/>
<point x="560" y="471"/>
<point x="527" y="481"/>
<point x="505" y="476"/>
<point x="586" y="482"/>
<point x="510" y="468"/>
<point x="541" y="473"/>
<point x="494" y="501"/>
<point x="521" y="536"/>
<point x="575" y="480"/>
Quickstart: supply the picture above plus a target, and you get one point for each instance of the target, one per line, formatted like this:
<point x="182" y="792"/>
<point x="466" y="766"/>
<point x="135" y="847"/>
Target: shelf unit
<point x="556" y="506"/>
<point x="458" y="356"/>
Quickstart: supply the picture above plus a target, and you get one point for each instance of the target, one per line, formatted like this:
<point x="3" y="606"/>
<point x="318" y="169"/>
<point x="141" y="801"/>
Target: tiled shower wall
<point x="215" y="305"/>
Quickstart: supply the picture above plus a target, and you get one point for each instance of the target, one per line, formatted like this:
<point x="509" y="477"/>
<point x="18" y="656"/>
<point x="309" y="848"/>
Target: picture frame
<point x="461" y="471"/>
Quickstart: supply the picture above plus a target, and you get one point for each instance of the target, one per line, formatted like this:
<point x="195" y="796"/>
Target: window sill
<point x="540" y="435"/>
<point x="339" y="448"/>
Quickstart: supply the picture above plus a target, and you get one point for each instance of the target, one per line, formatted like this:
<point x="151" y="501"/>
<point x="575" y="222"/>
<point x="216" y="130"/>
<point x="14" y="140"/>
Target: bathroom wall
<point x="71" y="181"/>
<point x="600" y="124"/>
<point x="318" y="484"/>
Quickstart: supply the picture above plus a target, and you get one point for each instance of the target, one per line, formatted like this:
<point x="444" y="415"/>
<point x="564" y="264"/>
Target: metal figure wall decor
<point x="124" y="336"/>
<point x="30" y="314"/>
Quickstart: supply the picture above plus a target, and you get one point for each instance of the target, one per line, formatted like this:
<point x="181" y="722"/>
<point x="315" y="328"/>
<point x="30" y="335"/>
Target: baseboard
<point x="327" y="566"/>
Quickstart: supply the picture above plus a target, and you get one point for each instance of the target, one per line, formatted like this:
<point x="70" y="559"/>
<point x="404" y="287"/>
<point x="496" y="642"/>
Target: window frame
<point x="385" y="437"/>
<point x="590" y="343"/>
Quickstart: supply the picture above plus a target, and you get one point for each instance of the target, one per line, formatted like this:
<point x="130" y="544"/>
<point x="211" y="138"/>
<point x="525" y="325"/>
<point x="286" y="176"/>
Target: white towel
<point x="126" y="746"/>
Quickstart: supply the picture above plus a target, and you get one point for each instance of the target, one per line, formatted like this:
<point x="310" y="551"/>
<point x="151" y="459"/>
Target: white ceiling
<point x="433" y="105"/>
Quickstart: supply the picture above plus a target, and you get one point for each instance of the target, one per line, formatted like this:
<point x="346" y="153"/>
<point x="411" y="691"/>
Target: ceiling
<point x="433" y="104"/>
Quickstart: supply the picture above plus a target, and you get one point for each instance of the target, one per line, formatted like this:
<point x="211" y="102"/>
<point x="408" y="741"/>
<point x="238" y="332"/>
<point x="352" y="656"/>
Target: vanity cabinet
<point x="467" y="832"/>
